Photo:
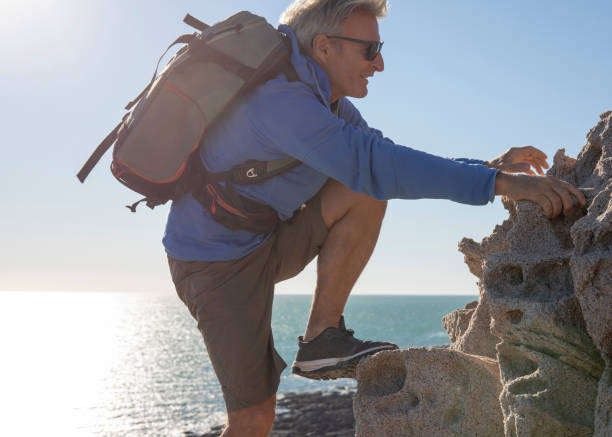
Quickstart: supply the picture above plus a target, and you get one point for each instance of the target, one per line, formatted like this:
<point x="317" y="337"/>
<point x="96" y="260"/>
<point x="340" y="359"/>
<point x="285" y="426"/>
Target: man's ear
<point x="321" y="47"/>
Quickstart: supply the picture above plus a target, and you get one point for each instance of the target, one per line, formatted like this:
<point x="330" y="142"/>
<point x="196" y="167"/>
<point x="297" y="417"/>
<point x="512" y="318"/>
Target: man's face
<point x="346" y="64"/>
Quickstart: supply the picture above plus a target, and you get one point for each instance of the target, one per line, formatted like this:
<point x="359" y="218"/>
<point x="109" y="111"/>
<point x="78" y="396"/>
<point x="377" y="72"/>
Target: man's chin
<point x="361" y="94"/>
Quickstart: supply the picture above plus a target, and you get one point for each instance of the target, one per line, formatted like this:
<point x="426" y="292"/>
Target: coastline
<point x="319" y="413"/>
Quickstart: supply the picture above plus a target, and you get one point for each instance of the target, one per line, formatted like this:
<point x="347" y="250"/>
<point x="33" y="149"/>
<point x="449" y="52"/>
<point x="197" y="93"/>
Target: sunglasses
<point x="372" y="50"/>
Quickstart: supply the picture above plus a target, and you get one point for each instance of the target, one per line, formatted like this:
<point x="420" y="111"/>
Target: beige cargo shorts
<point x="232" y="304"/>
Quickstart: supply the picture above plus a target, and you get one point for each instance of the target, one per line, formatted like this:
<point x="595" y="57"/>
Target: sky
<point x="461" y="79"/>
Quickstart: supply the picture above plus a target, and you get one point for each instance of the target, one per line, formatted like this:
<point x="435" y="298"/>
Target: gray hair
<point x="309" y="18"/>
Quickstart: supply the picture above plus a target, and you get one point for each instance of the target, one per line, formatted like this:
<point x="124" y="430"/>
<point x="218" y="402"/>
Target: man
<point x="226" y="278"/>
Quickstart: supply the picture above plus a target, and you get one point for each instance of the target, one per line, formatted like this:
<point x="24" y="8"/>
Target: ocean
<point x="134" y="364"/>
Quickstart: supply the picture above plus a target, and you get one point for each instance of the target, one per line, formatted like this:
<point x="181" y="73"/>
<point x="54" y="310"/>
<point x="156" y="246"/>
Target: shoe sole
<point x="341" y="370"/>
<point x="344" y="369"/>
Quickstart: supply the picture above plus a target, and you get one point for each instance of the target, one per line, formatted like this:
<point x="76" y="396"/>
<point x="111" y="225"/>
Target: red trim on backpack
<point x="178" y="92"/>
<point x="221" y="202"/>
<point x="181" y="169"/>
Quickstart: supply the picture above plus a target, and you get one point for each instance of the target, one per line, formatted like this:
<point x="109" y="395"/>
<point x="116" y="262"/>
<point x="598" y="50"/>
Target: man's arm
<point x="291" y="120"/>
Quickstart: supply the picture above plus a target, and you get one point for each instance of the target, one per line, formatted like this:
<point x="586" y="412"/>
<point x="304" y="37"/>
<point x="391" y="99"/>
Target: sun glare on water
<point x="56" y="353"/>
<point x="102" y="364"/>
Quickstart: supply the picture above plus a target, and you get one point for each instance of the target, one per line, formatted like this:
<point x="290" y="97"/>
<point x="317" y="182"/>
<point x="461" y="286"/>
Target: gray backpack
<point x="156" y="144"/>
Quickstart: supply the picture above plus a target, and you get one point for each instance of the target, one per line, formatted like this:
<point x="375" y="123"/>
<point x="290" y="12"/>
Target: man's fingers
<point x="537" y="164"/>
<point x="538" y="169"/>
<point x="566" y="199"/>
<point x="543" y="163"/>
<point x="579" y="195"/>
<point x="557" y="203"/>
<point x="539" y="160"/>
<point x="544" y="202"/>
<point x="514" y="160"/>
<point x="553" y="195"/>
<point x="536" y="153"/>
<point x="537" y="157"/>
<point x="517" y="167"/>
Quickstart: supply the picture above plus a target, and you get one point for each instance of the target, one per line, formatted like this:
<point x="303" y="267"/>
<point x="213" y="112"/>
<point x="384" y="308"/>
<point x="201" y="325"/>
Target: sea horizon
<point x="277" y="293"/>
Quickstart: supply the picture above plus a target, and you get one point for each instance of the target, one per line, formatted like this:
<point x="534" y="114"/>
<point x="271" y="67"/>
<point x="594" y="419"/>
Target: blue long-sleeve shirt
<point x="293" y="119"/>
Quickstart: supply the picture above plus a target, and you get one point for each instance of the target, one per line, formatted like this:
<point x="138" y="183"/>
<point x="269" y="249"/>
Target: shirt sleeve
<point x="346" y="149"/>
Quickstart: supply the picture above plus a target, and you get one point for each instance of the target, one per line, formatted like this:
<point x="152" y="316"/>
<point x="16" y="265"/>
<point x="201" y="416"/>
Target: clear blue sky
<point x="462" y="79"/>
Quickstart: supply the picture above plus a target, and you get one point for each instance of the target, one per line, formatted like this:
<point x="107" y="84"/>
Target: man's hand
<point x="520" y="160"/>
<point x="552" y="194"/>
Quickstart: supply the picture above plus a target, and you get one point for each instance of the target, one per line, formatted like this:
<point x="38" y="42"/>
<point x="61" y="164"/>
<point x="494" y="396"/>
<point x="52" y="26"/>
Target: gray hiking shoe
<point x="334" y="354"/>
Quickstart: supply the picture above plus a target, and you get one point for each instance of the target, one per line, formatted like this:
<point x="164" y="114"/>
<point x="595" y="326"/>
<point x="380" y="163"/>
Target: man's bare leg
<point x="354" y="222"/>
<point x="255" y="421"/>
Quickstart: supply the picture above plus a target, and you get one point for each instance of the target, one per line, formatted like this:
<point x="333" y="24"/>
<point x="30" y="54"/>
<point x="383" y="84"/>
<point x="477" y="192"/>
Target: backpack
<point x="156" y="144"/>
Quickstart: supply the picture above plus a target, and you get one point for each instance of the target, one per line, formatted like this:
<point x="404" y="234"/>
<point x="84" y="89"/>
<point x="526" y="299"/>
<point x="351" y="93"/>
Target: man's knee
<point x="254" y="421"/>
<point x="337" y="201"/>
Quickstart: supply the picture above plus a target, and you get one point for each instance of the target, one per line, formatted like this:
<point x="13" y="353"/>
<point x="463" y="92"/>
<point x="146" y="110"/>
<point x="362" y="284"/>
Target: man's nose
<point x="378" y="63"/>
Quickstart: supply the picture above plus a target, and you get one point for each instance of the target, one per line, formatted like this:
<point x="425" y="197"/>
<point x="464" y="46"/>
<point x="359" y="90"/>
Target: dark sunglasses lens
<point x="373" y="50"/>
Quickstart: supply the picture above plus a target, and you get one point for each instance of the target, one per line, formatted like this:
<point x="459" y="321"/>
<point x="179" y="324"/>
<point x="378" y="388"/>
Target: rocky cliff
<point x="531" y="357"/>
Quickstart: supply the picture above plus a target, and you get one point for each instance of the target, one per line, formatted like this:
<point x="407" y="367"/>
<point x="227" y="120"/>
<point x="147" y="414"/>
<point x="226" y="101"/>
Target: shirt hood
<point x="307" y="69"/>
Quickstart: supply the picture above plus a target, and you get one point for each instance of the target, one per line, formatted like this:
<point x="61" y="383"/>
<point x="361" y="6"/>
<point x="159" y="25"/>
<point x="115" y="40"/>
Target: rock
<point x="314" y="414"/>
<point x="469" y="329"/>
<point x="540" y="335"/>
<point x="543" y="359"/>
<point x="545" y="352"/>
<point x="457" y="322"/>
<point x="603" y="409"/>
<point x="563" y="165"/>
<point x="317" y="414"/>
<point x="427" y="392"/>
<point x="476" y="337"/>
<point x="475" y="253"/>
<point x="591" y="262"/>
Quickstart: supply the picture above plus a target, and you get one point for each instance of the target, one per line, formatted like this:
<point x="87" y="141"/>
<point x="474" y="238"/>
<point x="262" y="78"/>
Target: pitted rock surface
<point x="591" y="262"/>
<point x="427" y="392"/>
<point x="469" y="330"/>
<point x="543" y="321"/>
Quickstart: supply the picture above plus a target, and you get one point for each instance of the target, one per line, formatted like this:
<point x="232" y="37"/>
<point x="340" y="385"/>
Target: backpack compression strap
<point x="254" y="172"/>
<point x="98" y="153"/>
<point x="251" y="172"/>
